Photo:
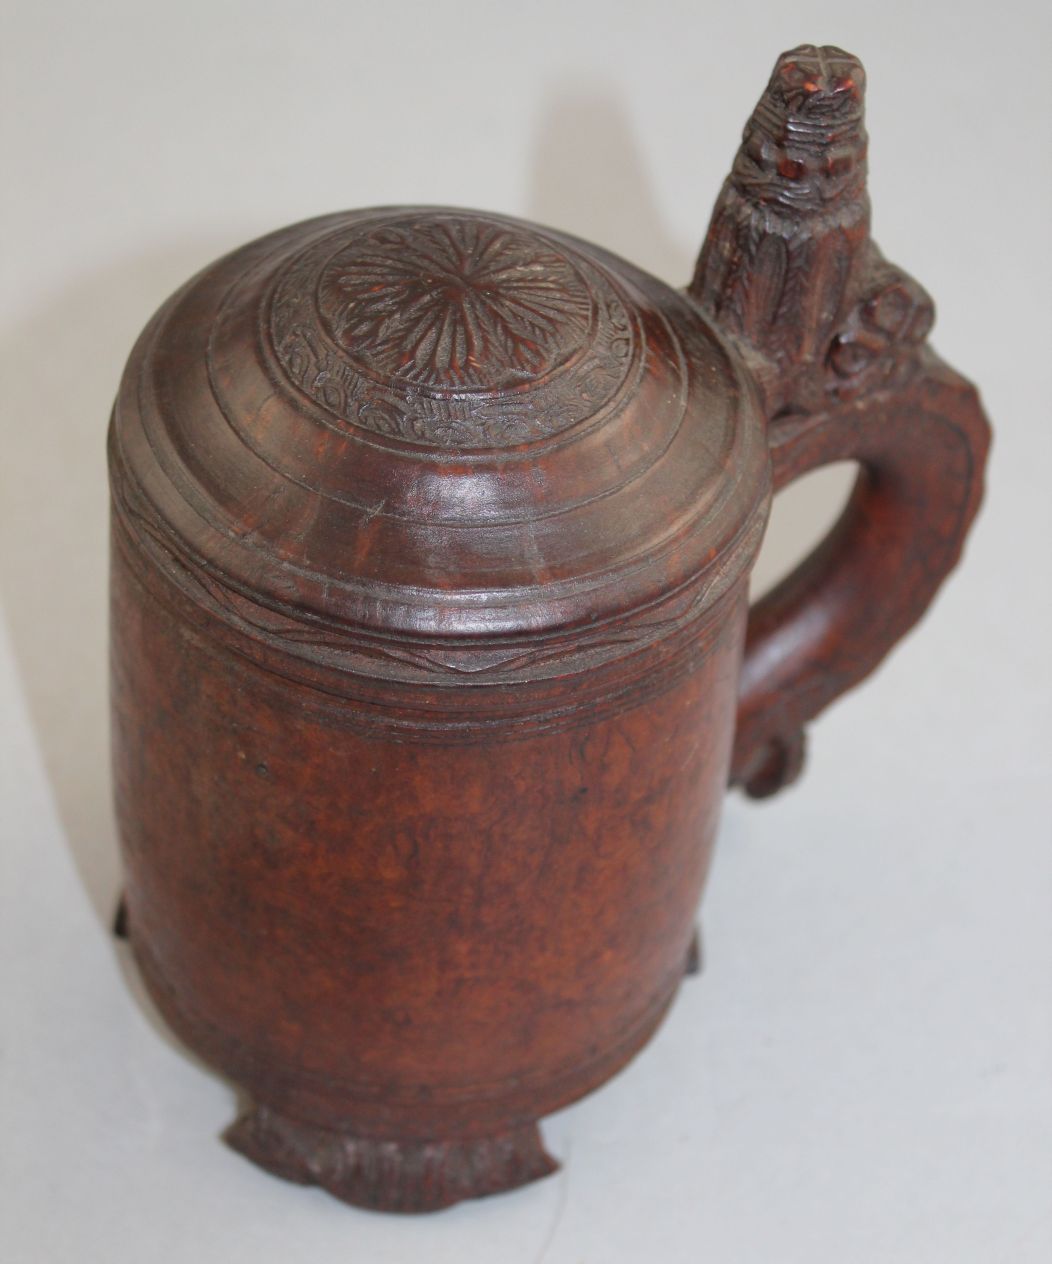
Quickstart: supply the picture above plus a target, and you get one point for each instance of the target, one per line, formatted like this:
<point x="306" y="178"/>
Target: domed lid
<point x="449" y="428"/>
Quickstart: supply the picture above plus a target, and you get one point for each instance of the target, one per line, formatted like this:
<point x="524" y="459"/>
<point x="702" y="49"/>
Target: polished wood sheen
<point x="431" y="648"/>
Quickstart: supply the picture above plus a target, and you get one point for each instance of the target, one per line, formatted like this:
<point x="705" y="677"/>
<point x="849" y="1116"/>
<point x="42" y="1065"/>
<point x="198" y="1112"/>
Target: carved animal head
<point x="804" y="148"/>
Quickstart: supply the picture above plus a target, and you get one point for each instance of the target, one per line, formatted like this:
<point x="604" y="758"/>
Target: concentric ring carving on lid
<point x="435" y="428"/>
<point x="451" y="330"/>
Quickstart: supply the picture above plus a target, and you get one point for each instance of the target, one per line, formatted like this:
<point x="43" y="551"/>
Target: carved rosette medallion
<point x="452" y="330"/>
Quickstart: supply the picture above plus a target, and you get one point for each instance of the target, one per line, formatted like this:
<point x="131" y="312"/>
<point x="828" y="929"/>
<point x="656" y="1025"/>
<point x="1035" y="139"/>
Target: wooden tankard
<point x="432" y="654"/>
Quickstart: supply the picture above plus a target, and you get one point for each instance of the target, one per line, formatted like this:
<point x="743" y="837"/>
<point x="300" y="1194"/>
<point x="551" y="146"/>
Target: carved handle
<point x="836" y="336"/>
<point x="921" y="449"/>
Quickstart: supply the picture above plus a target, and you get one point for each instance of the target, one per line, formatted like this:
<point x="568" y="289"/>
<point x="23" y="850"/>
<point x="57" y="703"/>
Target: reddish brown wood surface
<point x="431" y="542"/>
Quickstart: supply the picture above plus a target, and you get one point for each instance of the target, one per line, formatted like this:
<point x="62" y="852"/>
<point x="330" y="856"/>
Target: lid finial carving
<point x="788" y="265"/>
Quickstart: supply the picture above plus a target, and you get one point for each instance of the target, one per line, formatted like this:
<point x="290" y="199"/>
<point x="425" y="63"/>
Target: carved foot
<point x="774" y="766"/>
<point x="694" y="955"/>
<point x="390" y="1175"/>
<point x="120" y="919"/>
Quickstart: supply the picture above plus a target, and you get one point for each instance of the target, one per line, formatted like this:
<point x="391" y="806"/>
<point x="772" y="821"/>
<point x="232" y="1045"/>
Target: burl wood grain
<point x="431" y="653"/>
<point x="399" y="941"/>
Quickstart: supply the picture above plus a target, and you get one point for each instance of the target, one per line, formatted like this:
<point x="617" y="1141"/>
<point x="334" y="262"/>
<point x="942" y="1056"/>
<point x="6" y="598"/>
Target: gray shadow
<point x="590" y="178"/>
<point x="59" y="369"/>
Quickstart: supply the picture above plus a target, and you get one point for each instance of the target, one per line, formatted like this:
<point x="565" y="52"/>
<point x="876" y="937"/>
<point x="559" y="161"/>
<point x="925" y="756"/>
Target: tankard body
<point x="413" y="934"/>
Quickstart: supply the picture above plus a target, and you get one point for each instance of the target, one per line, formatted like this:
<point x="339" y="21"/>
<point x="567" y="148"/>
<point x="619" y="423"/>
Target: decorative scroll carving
<point x="788" y="265"/>
<point x="892" y="318"/>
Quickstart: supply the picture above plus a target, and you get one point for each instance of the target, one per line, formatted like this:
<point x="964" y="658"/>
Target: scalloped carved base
<point x="390" y="1175"/>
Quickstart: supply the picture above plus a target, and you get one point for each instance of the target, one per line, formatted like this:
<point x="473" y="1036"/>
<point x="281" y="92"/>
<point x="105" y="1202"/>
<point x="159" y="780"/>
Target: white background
<point x="864" y="1071"/>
